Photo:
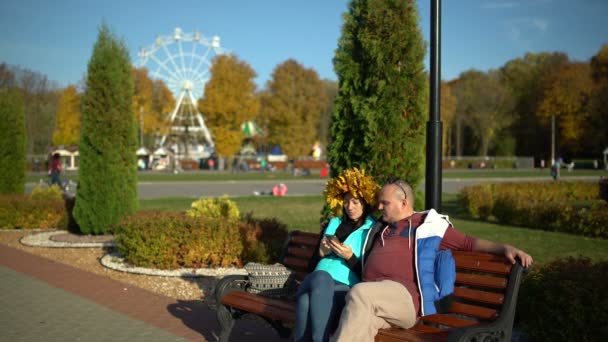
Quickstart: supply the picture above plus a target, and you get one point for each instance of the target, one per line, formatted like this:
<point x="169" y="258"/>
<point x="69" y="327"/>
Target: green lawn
<point x="148" y="176"/>
<point x="302" y="213"/>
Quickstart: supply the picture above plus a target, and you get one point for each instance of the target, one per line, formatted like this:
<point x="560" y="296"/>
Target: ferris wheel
<point x="182" y="61"/>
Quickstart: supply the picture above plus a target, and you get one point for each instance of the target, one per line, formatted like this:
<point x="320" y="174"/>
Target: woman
<point x="55" y="170"/>
<point x="320" y="297"/>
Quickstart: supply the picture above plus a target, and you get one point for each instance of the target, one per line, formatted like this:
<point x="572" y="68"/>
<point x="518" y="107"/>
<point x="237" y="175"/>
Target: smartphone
<point x="332" y="237"/>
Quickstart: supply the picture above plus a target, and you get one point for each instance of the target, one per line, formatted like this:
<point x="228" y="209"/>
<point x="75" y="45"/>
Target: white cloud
<point x="525" y="30"/>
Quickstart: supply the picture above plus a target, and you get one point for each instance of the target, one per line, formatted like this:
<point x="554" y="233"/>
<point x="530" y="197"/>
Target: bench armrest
<point x="228" y="284"/>
<point x="501" y="328"/>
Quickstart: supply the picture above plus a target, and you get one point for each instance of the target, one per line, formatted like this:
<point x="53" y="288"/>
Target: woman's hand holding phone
<point x="340" y="249"/>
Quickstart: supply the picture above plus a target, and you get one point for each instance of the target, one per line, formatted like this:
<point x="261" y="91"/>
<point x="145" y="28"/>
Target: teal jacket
<point x="336" y="266"/>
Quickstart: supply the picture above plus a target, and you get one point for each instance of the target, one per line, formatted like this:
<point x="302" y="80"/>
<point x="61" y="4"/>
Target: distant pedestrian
<point x="211" y="163"/>
<point x="235" y="164"/>
<point x="555" y="170"/>
<point x="55" y="170"/>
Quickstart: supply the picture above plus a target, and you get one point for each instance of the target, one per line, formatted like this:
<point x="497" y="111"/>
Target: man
<point x="397" y="259"/>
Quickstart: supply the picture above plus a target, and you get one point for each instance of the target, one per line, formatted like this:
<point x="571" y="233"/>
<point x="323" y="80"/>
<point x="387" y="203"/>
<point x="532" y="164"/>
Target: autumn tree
<point x="485" y="105"/>
<point x="163" y="103"/>
<point x="448" y="110"/>
<point x="567" y="97"/>
<point x="229" y="101"/>
<point x="107" y="187"/>
<point x="382" y="104"/>
<point x="152" y="104"/>
<point x="527" y="77"/>
<point x="292" y="104"/>
<point x="7" y="78"/>
<point x="67" y="120"/>
<point x="12" y="141"/>
<point x="596" y="138"/>
<point x="331" y="90"/>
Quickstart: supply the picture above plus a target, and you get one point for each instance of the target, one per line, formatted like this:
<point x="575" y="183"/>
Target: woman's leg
<point x="321" y="304"/>
<point x="340" y="291"/>
<point x="301" y="331"/>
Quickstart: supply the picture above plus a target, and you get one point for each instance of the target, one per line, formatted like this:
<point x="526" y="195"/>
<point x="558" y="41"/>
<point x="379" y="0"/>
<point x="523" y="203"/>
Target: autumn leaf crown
<point x="352" y="181"/>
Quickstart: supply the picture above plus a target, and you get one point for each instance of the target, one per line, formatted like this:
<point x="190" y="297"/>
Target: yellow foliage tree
<point x="163" y="103"/>
<point x="567" y="97"/>
<point x="67" y="124"/>
<point x="292" y="107"/>
<point x="229" y="101"/>
<point x="448" y="110"/>
<point x="152" y="102"/>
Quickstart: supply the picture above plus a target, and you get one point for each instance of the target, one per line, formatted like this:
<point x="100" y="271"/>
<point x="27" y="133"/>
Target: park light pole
<point x="552" y="140"/>
<point x="432" y="182"/>
<point x="141" y="126"/>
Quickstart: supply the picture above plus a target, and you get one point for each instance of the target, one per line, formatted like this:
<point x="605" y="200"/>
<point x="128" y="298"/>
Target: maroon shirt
<point x="392" y="255"/>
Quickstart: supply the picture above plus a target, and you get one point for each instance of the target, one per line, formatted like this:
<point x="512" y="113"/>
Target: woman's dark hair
<point x="56" y="155"/>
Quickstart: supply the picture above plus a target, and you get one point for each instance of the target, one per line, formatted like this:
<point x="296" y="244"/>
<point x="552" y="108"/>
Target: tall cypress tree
<point x="12" y="142"/>
<point x="107" y="188"/>
<point x="379" y="115"/>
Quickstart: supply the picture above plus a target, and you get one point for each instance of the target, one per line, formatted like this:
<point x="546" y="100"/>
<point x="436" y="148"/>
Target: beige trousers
<point x="371" y="306"/>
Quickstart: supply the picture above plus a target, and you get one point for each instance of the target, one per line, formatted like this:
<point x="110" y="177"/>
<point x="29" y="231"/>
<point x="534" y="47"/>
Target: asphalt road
<point x="302" y="187"/>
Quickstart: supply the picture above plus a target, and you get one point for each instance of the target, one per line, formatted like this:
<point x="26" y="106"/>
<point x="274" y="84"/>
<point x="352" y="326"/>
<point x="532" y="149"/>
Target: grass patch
<point x="302" y="213"/>
<point x="193" y="176"/>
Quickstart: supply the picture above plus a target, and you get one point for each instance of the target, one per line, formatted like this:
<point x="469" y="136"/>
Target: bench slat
<point x="475" y="263"/>
<point x="263" y="306"/>
<point x="478" y="312"/>
<point x="296" y="264"/>
<point x="479" y="296"/>
<point x="448" y="320"/>
<point x="414" y="335"/>
<point x="480" y="256"/>
<point x="305" y="239"/>
<point x="303" y="253"/>
<point x="479" y="280"/>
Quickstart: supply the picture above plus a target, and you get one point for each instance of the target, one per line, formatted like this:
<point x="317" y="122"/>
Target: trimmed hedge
<point x="175" y="240"/>
<point x="565" y="300"/>
<point x="39" y="211"/>
<point x="570" y="207"/>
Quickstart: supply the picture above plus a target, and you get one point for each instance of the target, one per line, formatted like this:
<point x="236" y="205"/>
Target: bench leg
<point x="226" y="320"/>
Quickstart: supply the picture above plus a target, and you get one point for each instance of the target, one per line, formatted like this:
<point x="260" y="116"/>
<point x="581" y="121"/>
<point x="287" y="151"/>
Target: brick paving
<point x="43" y="300"/>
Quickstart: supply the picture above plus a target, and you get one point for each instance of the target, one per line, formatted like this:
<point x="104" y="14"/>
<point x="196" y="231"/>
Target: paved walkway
<point x="43" y="300"/>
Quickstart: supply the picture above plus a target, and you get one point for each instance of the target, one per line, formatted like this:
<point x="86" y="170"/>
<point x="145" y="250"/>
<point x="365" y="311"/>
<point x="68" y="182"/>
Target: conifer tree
<point x="108" y="141"/>
<point x="379" y="116"/>
<point x="12" y="142"/>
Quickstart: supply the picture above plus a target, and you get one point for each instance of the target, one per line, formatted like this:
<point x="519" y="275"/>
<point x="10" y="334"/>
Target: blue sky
<point x="56" y="37"/>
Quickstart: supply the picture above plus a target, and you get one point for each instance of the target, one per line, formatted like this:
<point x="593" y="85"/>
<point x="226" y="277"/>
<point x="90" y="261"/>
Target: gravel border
<point x="116" y="262"/>
<point x="44" y="240"/>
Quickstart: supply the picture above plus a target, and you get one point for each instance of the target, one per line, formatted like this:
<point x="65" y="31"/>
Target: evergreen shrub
<point x="565" y="300"/>
<point x="107" y="184"/>
<point x="13" y="141"/>
<point x="174" y="240"/>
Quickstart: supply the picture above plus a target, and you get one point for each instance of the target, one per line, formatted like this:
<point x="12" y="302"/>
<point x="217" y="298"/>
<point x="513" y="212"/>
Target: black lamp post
<point x="434" y="125"/>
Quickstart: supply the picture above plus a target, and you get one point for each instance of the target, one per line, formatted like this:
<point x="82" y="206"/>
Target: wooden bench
<point x="484" y="308"/>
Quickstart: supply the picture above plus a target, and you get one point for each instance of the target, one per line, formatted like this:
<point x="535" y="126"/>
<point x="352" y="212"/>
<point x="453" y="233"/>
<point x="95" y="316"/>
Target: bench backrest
<point x="484" y="282"/>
